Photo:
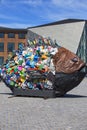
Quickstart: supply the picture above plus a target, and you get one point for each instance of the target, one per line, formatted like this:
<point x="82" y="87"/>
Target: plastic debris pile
<point x="29" y="66"/>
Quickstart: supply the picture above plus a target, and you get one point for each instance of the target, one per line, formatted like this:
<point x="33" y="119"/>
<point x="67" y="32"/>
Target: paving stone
<point x="28" y="113"/>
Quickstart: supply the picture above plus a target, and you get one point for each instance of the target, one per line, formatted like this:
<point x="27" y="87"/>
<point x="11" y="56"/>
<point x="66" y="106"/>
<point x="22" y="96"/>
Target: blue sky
<point x="27" y="13"/>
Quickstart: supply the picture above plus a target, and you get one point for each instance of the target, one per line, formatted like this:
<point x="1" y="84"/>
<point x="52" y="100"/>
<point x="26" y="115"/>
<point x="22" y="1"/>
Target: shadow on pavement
<point x="74" y="96"/>
<point x="65" y="96"/>
<point x="6" y="93"/>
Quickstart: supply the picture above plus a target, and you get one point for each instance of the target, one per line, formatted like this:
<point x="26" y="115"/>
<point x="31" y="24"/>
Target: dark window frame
<point x="11" y="35"/>
<point x="21" y="35"/>
<point x="1" y="60"/>
<point x="10" y="49"/>
<point x="2" y="34"/>
<point x="2" y="46"/>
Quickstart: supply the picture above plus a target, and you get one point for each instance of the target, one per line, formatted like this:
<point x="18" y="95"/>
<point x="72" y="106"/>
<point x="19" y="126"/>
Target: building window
<point x="11" y="46"/>
<point x="1" y="47"/>
<point x="11" y="35"/>
<point x="21" y="35"/>
<point x="1" y="35"/>
<point x="1" y="60"/>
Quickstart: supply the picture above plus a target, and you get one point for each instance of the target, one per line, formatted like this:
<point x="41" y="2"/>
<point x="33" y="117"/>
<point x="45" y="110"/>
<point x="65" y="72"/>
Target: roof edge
<point x="15" y="29"/>
<point x="65" y="21"/>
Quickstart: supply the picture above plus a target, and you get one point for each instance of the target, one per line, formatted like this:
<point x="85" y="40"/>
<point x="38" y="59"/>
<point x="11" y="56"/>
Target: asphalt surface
<point x="31" y="113"/>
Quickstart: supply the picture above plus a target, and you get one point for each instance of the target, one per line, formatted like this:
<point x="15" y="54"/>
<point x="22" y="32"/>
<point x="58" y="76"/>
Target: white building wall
<point x="67" y="35"/>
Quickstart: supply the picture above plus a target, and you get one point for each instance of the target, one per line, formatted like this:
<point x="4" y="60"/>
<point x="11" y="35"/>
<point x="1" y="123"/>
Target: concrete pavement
<point x="28" y="113"/>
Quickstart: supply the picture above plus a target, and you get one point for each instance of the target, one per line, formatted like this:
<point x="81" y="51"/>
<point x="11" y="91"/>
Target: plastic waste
<point x="37" y="65"/>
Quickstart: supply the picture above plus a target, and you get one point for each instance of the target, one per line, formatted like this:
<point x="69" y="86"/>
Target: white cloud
<point x="62" y="2"/>
<point x="29" y="2"/>
<point x="15" y="25"/>
<point x="70" y="3"/>
<point x="32" y="2"/>
<point x="7" y="17"/>
<point x="54" y="16"/>
<point x="46" y="10"/>
<point x="61" y="9"/>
